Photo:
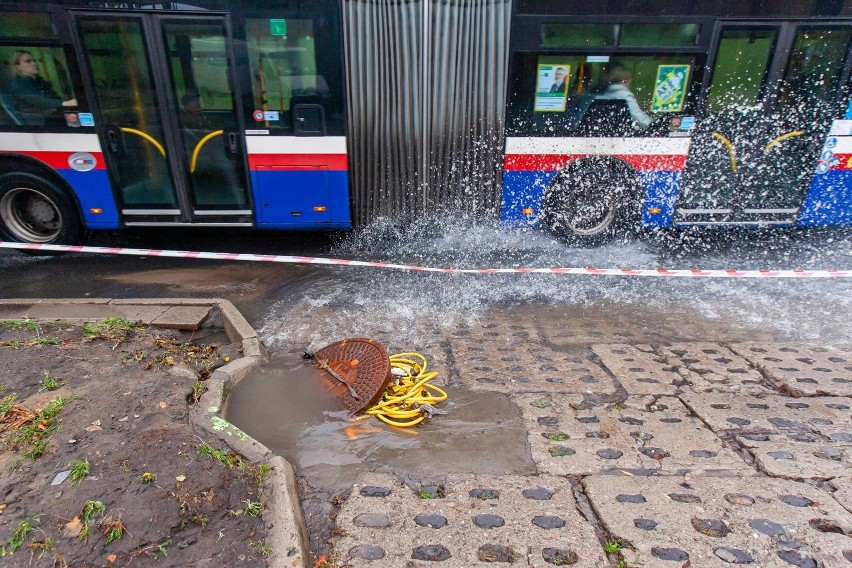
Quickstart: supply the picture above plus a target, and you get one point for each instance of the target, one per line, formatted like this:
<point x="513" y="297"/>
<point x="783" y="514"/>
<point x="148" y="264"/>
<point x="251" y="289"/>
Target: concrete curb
<point x="288" y="534"/>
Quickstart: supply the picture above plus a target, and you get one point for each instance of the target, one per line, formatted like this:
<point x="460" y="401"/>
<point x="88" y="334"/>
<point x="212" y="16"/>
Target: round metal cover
<point x="362" y="364"/>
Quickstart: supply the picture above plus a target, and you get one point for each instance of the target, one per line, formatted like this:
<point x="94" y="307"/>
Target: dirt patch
<point x="109" y="404"/>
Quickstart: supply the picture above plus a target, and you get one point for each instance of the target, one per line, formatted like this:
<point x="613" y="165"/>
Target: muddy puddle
<point x="286" y="406"/>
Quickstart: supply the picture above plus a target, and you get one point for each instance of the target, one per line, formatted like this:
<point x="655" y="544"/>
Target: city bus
<point x="170" y="114"/>
<point x="738" y="116"/>
<point x="584" y="119"/>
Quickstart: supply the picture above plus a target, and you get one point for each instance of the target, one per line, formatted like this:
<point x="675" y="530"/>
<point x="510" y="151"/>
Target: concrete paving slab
<point x="480" y="520"/>
<point x="802" y="370"/>
<point x="643" y="435"/>
<point x="521" y="367"/>
<point x="826" y="418"/>
<point x="183" y="317"/>
<point x="716" y="522"/>
<point x="780" y="456"/>
<point x="640" y="372"/>
<point x="716" y="368"/>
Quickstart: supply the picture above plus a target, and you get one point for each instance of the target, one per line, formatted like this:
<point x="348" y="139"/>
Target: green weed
<point x="19" y="536"/>
<point x="49" y="383"/>
<point x="25" y="323"/>
<point x="113" y="529"/>
<point x="32" y="436"/>
<point x="148" y="478"/>
<point x="7" y="403"/>
<point x="613" y="546"/>
<point x="79" y="470"/>
<point x="262" y="547"/>
<point x="251" y="508"/>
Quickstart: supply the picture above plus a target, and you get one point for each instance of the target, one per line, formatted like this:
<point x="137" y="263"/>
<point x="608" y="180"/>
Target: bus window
<point x="611" y="95"/>
<point x="814" y="68"/>
<point x="284" y="74"/>
<point x="26" y="24"/>
<point x="578" y="35"/>
<point x="35" y="82"/>
<point x="742" y="62"/>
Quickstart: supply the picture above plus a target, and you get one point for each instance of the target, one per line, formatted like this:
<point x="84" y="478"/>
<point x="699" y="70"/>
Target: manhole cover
<point x="364" y="367"/>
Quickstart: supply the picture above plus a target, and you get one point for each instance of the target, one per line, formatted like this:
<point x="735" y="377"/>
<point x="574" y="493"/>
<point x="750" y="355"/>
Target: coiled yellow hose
<point x="408" y="398"/>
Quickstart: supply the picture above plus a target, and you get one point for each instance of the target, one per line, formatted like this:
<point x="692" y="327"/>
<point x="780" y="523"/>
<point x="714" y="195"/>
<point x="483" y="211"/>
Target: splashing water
<point x="405" y="308"/>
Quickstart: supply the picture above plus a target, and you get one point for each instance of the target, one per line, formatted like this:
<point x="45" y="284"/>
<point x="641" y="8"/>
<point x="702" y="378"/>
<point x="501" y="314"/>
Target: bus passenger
<point x="620" y="79"/>
<point x="30" y="97"/>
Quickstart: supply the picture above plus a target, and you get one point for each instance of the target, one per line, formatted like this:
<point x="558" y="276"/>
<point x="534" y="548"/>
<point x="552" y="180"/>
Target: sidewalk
<point x="698" y="454"/>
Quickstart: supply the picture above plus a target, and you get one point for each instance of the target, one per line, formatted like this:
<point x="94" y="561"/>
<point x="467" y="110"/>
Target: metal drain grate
<point x="363" y="364"/>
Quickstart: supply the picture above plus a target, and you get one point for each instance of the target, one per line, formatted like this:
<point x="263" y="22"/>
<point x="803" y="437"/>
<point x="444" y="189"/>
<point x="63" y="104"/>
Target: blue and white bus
<point x="609" y="115"/>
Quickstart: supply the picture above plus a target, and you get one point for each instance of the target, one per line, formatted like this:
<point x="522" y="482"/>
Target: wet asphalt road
<point x="266" y="293"/>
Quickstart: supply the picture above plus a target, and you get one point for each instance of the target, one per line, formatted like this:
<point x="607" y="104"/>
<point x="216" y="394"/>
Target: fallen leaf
<point x="163" y="404"/>
<point x="111" y="558"/>
<point x="2" y="507"/>
<point x="73" y="528"/>
<point x="181" y="478"/>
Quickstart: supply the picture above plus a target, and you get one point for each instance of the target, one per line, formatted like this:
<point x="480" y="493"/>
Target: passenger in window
<point x="618" y="87"/>
<point x="192" y="114"/>
<point x="30" y="97"/>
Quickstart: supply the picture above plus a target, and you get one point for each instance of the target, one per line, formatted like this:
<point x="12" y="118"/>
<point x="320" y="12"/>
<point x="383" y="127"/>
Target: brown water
<point x="286" y="406"/>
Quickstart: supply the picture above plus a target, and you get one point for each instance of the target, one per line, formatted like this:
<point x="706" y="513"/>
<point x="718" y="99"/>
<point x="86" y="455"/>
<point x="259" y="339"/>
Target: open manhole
<point x="357" y="371"/>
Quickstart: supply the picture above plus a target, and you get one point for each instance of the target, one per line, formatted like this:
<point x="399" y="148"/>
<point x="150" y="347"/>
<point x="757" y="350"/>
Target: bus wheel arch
<point x="592" y="200"/>
<point x="36" y="206"/>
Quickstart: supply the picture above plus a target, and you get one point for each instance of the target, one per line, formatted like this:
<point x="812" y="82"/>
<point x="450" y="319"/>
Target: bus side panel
<point x="661" y="191"/>
<point x="522" y="190"/>
<point x="829" y="200"/>
<point x="300" y="183"/>
<point x="77" y="158"/>
<point x="94" y="193"/>
<point x="531" y="164"/>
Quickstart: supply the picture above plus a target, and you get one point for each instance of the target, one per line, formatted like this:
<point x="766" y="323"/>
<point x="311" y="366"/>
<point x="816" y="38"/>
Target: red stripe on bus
<point x="297" y="161"/>
<point x="553" y="162"/>
<point x="59" y="160"/>
<point x="845" y="162"/>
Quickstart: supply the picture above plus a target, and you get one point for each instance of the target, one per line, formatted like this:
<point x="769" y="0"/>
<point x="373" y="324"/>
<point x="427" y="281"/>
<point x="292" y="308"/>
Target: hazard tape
<point x="647" y="272"/>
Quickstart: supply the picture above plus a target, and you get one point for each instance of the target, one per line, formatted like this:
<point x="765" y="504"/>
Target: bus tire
<point x="587" y="206"/>
<point x="35" y="210"/>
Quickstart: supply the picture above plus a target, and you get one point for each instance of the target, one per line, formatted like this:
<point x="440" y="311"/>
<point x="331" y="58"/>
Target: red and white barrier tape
<point x="658" y="272"/>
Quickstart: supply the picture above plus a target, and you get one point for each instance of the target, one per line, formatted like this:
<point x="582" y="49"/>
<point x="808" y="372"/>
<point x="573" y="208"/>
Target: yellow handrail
<point x="721" y="137"/>
<point x="147" y="137"/>
<point x="200" y="145"/>
<point x="781" y="138"/>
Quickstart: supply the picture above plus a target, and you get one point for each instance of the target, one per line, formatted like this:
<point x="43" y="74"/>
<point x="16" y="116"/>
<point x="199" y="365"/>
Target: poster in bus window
<point x="670" y="88"/>
<point x="551" y="87"/>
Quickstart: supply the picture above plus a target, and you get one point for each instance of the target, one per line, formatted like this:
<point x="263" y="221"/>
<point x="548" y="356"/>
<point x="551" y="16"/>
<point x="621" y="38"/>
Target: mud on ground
<point x="110" y="402"/>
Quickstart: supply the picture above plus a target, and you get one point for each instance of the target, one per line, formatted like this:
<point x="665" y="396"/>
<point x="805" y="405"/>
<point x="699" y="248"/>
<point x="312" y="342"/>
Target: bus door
<point x="769" y="103"/>
<point x="166" y="116"/>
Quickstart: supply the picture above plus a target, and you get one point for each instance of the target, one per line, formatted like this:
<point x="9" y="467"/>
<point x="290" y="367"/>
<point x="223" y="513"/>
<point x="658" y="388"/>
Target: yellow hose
<point x="402" y="404"/>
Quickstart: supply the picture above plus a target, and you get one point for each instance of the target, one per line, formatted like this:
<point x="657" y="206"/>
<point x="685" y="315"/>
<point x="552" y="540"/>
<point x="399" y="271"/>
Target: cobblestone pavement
<point x="687" y="454"/>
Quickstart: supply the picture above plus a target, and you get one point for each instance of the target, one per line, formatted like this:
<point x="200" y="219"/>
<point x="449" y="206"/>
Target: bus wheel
<point x="34" y="210"/>
<point x="586" y="209"/>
